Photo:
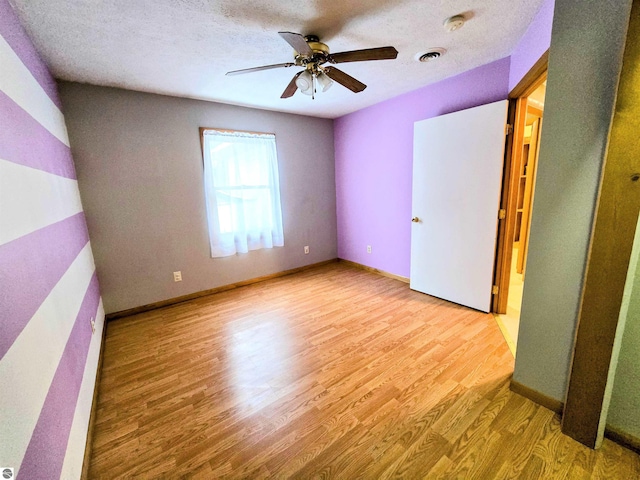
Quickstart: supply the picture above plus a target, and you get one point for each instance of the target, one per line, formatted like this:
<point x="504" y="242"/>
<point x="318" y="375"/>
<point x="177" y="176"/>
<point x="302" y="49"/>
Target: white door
<point x="457" y="177"/>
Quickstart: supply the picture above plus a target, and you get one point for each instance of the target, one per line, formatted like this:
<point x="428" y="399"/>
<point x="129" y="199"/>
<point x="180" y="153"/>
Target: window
<point x="242" y="191"/>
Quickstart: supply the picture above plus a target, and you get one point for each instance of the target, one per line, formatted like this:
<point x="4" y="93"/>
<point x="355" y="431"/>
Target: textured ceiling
<point x="184" y="47"/>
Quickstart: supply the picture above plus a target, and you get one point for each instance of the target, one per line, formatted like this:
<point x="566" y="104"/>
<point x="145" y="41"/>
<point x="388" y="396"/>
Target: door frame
<point x="509" y="198"/>
<point x="597" y="339"/>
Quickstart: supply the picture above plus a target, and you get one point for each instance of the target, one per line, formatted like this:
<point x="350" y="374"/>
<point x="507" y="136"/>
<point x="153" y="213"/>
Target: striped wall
<point x="48" y="285"/>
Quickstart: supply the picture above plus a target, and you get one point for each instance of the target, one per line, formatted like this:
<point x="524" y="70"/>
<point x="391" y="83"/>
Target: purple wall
<point x="374" y="151"/>
<point x="533" y="44"/>
<point x="16" y="37"/>
<point x="374" y="160"/>
<point x="48" y="286"/>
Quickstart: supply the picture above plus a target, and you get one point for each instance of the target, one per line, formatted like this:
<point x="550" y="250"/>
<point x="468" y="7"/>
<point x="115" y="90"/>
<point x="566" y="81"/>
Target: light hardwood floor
<point x="332" y="373"/>
<point x="509" y="322"/>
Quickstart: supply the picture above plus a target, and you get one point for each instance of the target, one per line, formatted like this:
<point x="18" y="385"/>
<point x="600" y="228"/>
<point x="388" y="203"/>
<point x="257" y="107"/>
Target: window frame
<point x="202" y="132"/>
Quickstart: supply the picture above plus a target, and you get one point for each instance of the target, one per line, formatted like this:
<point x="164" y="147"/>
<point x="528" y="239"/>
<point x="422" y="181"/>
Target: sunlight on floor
<point x="260" y="355"/>
<point x="510" y="321"/>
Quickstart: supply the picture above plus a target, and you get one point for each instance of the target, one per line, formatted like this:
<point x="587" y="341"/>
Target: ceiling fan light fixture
<point x="304" y="82"/>
<point x="324" y="81"/>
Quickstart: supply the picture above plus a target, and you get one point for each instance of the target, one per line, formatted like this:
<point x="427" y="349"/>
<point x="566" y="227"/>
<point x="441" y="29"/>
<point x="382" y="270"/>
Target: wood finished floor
<point x="330" y="373"/>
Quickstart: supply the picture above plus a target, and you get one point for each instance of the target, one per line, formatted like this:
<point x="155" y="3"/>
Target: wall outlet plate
<point x="306" y="249"/>
<point x="177" y="276"/>
<point x="368" y="248"/>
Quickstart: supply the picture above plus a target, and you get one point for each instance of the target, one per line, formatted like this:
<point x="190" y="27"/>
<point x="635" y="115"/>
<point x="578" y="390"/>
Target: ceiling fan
<point x="312" y="54"/>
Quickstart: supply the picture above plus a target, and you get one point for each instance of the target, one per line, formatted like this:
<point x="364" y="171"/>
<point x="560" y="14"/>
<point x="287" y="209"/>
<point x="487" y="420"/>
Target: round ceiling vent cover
<point x="430" y="54"/>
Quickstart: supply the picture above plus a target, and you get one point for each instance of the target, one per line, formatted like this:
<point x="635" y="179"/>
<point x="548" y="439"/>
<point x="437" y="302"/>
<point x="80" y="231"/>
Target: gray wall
<point x="624" y="409"/>
<point x="139" y="167"/>
<point x="584" y="68"/>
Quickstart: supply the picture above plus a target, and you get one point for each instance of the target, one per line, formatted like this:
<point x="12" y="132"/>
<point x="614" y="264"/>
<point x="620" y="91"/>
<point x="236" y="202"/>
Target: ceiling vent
<point x="430" y="55"/>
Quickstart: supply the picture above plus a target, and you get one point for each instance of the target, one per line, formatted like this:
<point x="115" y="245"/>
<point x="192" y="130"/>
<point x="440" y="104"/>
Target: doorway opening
<point x="518" y="197"/>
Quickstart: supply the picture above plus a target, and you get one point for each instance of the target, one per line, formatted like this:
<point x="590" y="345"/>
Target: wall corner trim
<point x="86" y="462"/>
<point x="622" y="438"/>
<point x="612" y="433"/>
<point x="537" y="397"/>
<point x="374" y="270"/>
<point x="203" y="293"/>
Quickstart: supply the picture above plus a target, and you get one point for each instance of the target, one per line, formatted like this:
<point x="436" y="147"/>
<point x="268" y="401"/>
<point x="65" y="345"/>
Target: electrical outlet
<point x="177" y="276"/>
<point x="93" y="326"/>
<point x="306" y="249"/>
<point x="368" y="248"/>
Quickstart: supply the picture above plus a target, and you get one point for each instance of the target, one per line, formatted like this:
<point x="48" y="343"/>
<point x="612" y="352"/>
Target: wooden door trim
<point x="530" y="178"/>
<point x="532" y="79"/>
<point x="612" y="239"/>
<point x="508" y="200"/>
<point x="508" y="203"/>
<point x="531" y="110"/>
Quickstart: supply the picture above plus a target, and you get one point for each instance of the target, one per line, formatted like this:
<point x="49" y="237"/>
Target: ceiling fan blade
<point x="292" y="87"/>
<point x="257" y="69"/>
<point x="297" y="41"/>
<point x="382" y="53"/>
<point x="344" y="79"/>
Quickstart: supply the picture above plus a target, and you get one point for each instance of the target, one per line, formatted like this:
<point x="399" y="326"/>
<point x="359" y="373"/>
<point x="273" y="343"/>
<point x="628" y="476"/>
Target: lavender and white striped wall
<point x="48" y="285"/>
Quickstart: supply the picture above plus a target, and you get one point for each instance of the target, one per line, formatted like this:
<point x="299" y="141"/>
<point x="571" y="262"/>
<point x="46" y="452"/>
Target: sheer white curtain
<point x="242" y="192"/>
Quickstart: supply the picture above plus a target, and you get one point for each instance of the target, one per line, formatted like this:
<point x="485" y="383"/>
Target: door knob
<point x="415" y="219"/>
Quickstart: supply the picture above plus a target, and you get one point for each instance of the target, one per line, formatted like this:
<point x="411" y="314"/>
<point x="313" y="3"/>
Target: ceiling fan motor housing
<point x="320" y="52"/>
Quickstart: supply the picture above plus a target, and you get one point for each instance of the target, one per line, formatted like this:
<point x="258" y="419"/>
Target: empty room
<point x="285" y="239"/>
